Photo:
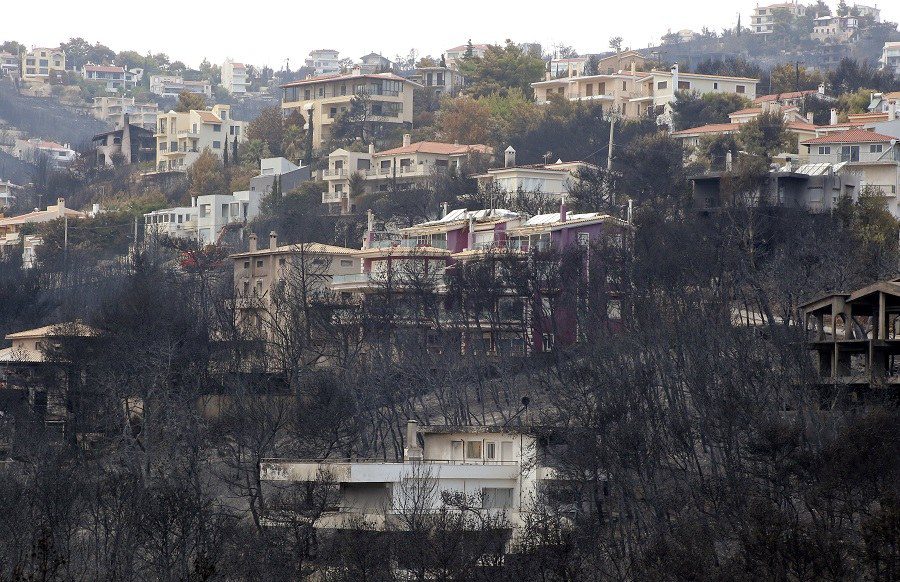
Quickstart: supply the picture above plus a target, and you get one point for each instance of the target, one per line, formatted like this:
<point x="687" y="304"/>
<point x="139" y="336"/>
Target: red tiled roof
<point x="209" y="117"/>
<point x="851" y="136"/>
<point x="747" y="111"/>
<point x="786" y="95"/>
<point x="440" y="148"/>
<point x="463" y="47"/>
<point x="801" y="126"/>
<point x="711" y="128"/>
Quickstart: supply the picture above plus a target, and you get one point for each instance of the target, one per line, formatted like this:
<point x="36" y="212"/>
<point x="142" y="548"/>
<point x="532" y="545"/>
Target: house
<point x="439" y="80"/>
<point x="402" y="168"/>
<point x="174" y="85"/>
<point x="854" y="338"/>
<point x="791" y="98"/>
<point x="127" y="144"/>
<point x="839" y="29"/>
<point x="113" y="110"/>
<point x="9" y="64"/>
<point x="622" y="61"/>
<point x="389" y="99"/>
<point x="234" y="77"/>
<point x="375" y="63"/>
<point x="115" y="79"/>
<point x="183" y="136"/>
<point x="31" y="150"/>
<point x="537" y="180"/>
<point x="42" y="64"/>
<point x="497" y="471"/>
<point x="324" y="61"/>
<point x="7" y="195"/>
<point x="763" y="19"/>
<point x="873" y="157"/>
<point x="452" y="56"/>
<point x="11" y="226"/>
<point x="289" y="176"/>
<point x="659" y="88"/>
<point x="567" y="67"/>
<point x="42" y="386"/>
<point x="817" y="187"/>
<point x="207" y="219"/>
<point x="890" y="57"/>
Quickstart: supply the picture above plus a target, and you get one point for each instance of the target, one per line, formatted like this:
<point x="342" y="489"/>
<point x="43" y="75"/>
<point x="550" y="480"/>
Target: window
<point x="217" y="127"/>
<point x="740" y="89"/>
<point x="876" y="148"/>
<point x="684" y="85"/>
<point x="547" y="342"/>
<point x="224" y="211"/>
<point x="824" y="150"/>
<point x="497" y="497"/>
<point x="306" y="95"/>
<point x="490" y="451"/>
<point x="662" y="85"/>
<point x="322" y="91"/>
<point x="850" y="153"/>
<point x="473" y="449"/>
<point x="163" y="146"/>
<point x="715" y="85"/>
<point x="246" y="264"/>
<point x="281" y="261"/>
<point x="346" y="263"/>
<point x="624" y="85"/>
<point x="332" y="112"/>
<point x="343" y="90"/>
<point x="217" y="145"/>
<point x="589" y="90"/>
<point x="259" y="263"/>
<point x="584" y="238"/>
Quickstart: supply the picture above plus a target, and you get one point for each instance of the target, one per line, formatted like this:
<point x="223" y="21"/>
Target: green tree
<point x="787" y="77"/>
<point x="764" y="136"/>
<point x="11" y="46"/>
<point x="188" y="101"/>
<point x="501" y="69"/>
<point x="692" y="110"/>
<point x="268" y="127"/>
<point x="615" y="43"/>
<point x="206" y="175"/>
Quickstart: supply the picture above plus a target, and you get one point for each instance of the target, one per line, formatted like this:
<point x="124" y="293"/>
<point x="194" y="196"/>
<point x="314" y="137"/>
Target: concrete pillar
<point x="413" y="451"/>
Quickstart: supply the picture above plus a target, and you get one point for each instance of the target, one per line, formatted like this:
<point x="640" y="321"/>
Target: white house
<point x="550" y="180"/>
<point x="324" y="61"/>
<point x="115" y="78"/>
<point x="234" y="77"/>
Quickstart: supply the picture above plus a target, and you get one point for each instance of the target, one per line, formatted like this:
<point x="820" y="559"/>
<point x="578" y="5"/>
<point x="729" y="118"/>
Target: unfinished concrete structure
<point x="856" y="337"/>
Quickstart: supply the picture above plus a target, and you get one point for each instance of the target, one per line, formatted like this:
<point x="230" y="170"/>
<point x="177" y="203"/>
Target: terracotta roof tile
<point x="851" y="136"/>
<point x="440" y="148"/>
<point x="711" y="128"/>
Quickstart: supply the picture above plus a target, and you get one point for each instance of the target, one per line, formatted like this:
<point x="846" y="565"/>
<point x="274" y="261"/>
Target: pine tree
<point x="470" y="50"/>
<point x="234" y="152"/>
<point x="225" y="153"/>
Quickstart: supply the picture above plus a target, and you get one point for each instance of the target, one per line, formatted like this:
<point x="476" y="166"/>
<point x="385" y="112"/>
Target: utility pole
<point x="65" y="238"/>
<point x="613" y="116"/>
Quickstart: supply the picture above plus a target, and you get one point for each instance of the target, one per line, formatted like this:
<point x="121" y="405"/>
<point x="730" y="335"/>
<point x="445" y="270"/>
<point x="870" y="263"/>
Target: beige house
<point x="453" y="55"/>
<point x="622" y="61"/>
<point x="552" y="181"/>
<point x="182" y="136"/>
<point x="40" y="64"/>
<point x="439" y="81"/>
<point x="404" y="167"/>
<point x="390" y="99"/>
<point x="11" y="227"/>
<point x="763" y="19"/>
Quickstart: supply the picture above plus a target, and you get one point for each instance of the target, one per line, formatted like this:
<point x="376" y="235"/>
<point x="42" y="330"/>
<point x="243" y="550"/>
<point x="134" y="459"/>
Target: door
<point x="456" y="450"/>
<point x="506" y="451"/>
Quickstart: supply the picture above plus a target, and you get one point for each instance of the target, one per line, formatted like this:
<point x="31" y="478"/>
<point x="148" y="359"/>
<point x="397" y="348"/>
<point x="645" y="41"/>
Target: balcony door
<point x="456" y="450"/>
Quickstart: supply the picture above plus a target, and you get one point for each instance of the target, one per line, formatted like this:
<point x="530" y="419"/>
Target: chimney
<point x="510" y="161"/>
<point x="273" y="240"/>
<point x="892" y="110"/>
<point x="371" y="149"/>
<point x="193" y="202"/>
<point x="252" y="241"/>
<point x="728" y="161"/>
<point x="407" y="138"/>
<point x="821" y="88"/>
<point x="810" y="117"/>
<point x="61" y="206"/>
<point x="125" y="119"/>
<point x="444" y="209"/>
<point x="562" y="208"/>
<point x="674" y="72"/>
<point x="833" y="119"/>
<point x="370" y="229"/>
<point x="95" y="209"/>
<point x="413" y="451"/>
<point x="470" y="243"/>
<point x="633" y="68"/>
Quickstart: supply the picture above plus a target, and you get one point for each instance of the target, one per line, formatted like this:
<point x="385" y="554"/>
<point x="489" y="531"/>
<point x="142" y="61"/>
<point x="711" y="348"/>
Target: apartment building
<point x="402" y="168"/>
<point x="324" y="61"/>
<point x="762" y="21"/>
<point x="890" y="57"/>
<point x="375" y="63"/>
<point x="127" y="144"/>
<point x="389" y="99"/>
<point x="548" y="180"/>
<point x="114" y="109"/>
<point x="439" y="81"/>
<point x="182" y="136"/>
<point x="174" y="85"/>
<point x="116" y="79"/>
<point x="234" y="77"/>
<point x="635" y="94"/>
<point x="502" y="472"/>
<point x="30" y="150"/>
<point x="288" y="175"/>
<point x="42" y="64"/>
<point x="452" y="56"/>
<point x="853" y="335"/>
<point x="873" y="157"/>
<point x="567" y="67"/>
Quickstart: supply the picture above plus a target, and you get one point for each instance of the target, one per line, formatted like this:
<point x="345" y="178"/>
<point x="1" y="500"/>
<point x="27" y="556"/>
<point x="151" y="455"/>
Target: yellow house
<point x="327" y="96"/>
<point x="182" y="136"/>
<point x="39" y="64"/>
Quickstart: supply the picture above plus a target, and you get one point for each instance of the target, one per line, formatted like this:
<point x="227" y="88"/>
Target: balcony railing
<point x="332" y="173"/>
<point x="330" y="197"/>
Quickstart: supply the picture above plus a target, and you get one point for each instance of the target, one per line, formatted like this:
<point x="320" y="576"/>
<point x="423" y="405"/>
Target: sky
<point x="268" y="32"/>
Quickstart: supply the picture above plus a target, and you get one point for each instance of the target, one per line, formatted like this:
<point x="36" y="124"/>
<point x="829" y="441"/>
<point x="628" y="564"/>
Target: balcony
<point x="331" y="197"/>
<point x="334" y="173"/>
<point x="377" y="471"/>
